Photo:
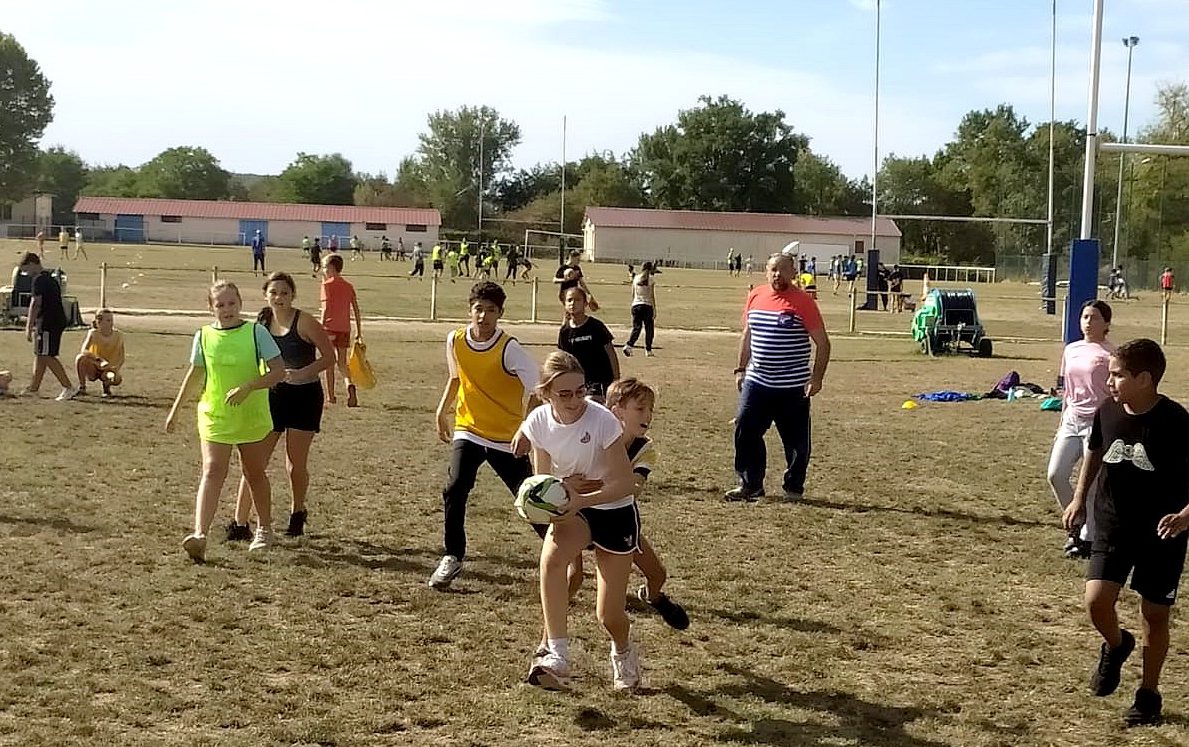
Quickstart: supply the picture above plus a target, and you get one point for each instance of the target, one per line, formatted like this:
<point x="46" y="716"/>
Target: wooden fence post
<point x="533" y="313"/>
<point x="214" y="274"/>
<point x="851" y="294"/>
<point x="103" y="285"/>
<point x="433" y="298"/>
<point x="1164" y="322"/>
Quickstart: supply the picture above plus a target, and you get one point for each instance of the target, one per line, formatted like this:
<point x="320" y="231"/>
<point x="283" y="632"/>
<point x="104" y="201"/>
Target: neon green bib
<point x="230" y="359"/>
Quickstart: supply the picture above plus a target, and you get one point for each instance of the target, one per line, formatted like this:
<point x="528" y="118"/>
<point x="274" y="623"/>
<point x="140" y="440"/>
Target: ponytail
<point x="265" y="317"/>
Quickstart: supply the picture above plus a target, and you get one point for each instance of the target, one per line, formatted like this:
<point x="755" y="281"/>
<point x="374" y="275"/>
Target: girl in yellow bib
<point x="226" y="363"/>
<point x="102" y="354"/>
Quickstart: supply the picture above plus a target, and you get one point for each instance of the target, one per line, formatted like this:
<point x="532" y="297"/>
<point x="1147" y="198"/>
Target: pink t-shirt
<point x="1086" y="368"/>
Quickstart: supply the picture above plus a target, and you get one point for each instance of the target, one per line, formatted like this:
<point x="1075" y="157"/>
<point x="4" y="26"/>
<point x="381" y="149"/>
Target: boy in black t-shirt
<point x="588" y="340"/>
<point x="1141" y="511"/>
<point x="44" y="327"/>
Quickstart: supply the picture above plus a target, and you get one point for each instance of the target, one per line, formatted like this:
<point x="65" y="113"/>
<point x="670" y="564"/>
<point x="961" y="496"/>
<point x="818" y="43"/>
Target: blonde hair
<point x="558" y="363"/>
<point x="218" y="287"/>
<point x="99" y="314"/>
<point x="628" y="390"/>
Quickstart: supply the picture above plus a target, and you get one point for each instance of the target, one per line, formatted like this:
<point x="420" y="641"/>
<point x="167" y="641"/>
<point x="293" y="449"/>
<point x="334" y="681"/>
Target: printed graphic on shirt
<point x="1120" y="452"/>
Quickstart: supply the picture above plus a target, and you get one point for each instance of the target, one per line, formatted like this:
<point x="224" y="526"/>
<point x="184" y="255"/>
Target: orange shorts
<point x="340" y="340"/>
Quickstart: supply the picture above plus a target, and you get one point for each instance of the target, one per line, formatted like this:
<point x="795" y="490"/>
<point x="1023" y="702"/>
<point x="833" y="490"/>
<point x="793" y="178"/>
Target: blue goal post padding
<point x="1083" y="285"/>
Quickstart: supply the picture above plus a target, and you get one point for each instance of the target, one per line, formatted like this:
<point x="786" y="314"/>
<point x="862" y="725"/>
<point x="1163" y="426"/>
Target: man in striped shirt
<point x="781" y="328"/>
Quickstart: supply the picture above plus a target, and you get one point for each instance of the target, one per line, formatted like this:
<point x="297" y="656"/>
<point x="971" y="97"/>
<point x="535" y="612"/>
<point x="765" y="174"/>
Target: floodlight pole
<point x="875" y="157"/>
<point x="1092" y="125"/>
<point x="1130" y="42"/>
<point x="1052" y="126"/>
<point x="482" y="128"/>
<point x="562" y="222"/>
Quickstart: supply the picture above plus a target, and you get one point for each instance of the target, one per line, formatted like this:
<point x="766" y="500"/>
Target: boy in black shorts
<point x="1139" y="437"/>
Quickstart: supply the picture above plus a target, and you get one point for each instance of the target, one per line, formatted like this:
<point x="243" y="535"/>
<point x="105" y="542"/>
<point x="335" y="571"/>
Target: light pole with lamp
<point x="1130" y="42"/>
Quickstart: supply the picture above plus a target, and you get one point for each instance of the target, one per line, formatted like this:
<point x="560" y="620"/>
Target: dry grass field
<point x="916" y="597"/>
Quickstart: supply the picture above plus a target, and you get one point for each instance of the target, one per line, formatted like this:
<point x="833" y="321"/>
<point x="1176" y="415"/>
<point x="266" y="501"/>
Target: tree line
<point x="717" y="155"/>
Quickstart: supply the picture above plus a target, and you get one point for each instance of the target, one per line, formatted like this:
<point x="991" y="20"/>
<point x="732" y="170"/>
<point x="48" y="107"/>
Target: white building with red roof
<point x="703" y="239"/>
<point x="224" y="222"/>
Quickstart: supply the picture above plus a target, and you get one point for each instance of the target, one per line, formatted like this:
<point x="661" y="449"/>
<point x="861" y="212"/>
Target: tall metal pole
<point x="1052" y="126"/>
<point x="1130" y="42"/>
<point x="1092" y="125"/>
<point x="562" y="226"/>
<point x="482" y="128"/>
<point x="875" y="157"/>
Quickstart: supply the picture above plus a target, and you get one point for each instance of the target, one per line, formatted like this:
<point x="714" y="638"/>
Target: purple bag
<point x="1010" y="381"/>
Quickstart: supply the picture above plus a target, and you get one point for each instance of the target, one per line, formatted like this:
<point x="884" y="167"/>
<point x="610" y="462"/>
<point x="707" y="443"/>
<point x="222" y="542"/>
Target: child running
<point x="102" y="354"/>
<point x="489" y="376"/>
<point x="1138" y="437"/>
<point x="584" y="444"/>
<point x="587" y="339"/>
<point x="295" y="403"/>
<point x="233" y="412"/>
<point x="338" y="304"/>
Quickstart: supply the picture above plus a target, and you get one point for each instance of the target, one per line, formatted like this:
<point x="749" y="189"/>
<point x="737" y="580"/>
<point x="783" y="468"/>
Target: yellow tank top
<point x="109" y="349"/>
<point x="490" y="398"/>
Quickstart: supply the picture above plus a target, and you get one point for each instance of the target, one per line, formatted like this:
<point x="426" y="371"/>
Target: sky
<point x="257" y="81"/>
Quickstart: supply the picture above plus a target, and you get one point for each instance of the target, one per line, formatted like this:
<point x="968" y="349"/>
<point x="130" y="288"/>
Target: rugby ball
<point x="540" y="499"/>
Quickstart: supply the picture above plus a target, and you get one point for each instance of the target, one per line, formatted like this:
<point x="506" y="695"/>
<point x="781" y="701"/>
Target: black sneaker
<point x="297" y="524"/>
<point x="1071" y="543"/>
<point x="238" y="532"/>
<point x="1145" y="711"/>
<point x="1105" y="679"/>
<point x="735" y="495"/>
<point x="671" y="612"/>
<point x="1079" y="551"/>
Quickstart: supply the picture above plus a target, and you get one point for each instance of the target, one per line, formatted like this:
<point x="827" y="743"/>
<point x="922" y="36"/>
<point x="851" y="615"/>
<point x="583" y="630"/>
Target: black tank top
<point x="296" y="352"/>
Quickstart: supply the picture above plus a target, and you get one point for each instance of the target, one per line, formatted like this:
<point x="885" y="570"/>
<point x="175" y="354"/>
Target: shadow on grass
<point x="850" y="719"/>
<point x="942" y="513"/>
<point x="48" y="522"/>
<point x="131" y="400"/>
<point x="415" y="562"/>
<point x="747" y="617"/>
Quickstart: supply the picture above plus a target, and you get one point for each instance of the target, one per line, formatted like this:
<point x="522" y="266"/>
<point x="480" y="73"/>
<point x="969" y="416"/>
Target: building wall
<point x="706" y="248"/>
<point x="226" y="231"/>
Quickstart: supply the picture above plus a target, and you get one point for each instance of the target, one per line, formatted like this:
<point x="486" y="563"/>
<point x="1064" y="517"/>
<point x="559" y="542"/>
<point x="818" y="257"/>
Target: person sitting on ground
<point x="102" y="354"/>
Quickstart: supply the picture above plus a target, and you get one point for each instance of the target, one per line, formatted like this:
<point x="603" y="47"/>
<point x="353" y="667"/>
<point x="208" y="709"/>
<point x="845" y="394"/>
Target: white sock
<point x="617" y="651"/>
<point x="559" y="646"/>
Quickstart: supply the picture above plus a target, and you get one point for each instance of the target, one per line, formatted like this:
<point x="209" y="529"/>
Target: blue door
<point x="248" y="229"/>
<point x="342" y="230"/>
<point x="129" y="229"/>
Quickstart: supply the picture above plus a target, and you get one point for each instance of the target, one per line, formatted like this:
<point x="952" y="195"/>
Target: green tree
<point x="320" y="180"/>
<point x="460" y="150"/>
<point x="63" y="174"/>
<point x="26" y="109"/>
<point x="184" y="173"/>
<point x="822" y="189"/>
<point x="377" y="191"/>
<point x="112" y="181"/>
<point x="721" y="156"/>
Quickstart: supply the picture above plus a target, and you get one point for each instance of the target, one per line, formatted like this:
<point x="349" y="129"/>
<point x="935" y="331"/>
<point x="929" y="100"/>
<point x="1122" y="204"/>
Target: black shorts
<point x="437" y="265"/>
<point x="614" y="530"/>
<point x="1154" y="565"/>
<point x="296" y="407"/>
<point x="47" y="342"/>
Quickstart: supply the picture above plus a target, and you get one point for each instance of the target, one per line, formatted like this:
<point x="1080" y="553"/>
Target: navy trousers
<point x="759" y="407"/>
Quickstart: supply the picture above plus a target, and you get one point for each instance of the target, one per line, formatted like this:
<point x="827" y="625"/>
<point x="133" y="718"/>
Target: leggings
<point x="1069" y="446"/>
<point x="642" y="316"/>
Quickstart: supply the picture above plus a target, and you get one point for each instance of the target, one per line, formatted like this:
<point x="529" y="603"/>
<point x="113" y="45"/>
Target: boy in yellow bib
<point x="226" y="362"/>
<point x="490" y="374"/>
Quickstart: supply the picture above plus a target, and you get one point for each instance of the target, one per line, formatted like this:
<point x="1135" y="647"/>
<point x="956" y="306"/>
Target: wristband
<point x="741" y="369"/>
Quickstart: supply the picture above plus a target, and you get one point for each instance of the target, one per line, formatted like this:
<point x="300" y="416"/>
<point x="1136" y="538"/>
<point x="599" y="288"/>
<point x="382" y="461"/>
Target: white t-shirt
<point x="516" y="360"/>
<point x="577" y="448"/>
<point x="643" y="293"/>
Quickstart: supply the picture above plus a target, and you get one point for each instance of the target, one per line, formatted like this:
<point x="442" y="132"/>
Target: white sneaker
<point x="262" y="540"/>
<point x="625" y="669"/>
<point x="67" y="393"/>
<point x="649" y="354"/>
<point x="448" y="569"/>
<point x="27" y="392"/>
<point x="550" y="672"/>
<point x="195" y="547"/>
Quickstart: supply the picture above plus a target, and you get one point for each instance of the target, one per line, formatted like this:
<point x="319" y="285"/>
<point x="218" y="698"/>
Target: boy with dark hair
<point x="1141" y="513"/>
<point x="44" y="327"/>
<point x="489" y="376"/>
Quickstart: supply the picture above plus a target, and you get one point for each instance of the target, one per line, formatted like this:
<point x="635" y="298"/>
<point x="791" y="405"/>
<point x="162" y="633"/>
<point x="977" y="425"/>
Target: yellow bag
<point x="358" y="367"/>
